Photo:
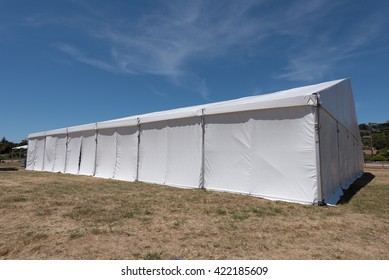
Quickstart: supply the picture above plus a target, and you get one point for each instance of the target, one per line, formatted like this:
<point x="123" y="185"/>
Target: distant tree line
<point x="6" y="147"/>
<point x="376" y="136"/>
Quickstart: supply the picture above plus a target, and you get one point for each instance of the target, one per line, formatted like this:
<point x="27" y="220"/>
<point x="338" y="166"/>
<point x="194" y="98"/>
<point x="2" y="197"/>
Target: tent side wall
<point x="126" y="153"/>
<point x="330" y="158"/>
<point x="35" y="153"/>
<point x="49" y="157"/>
<point x="268" y="153"/>
<point x="263" y="146"/>
<point x="184" y="147"/>
<point x="153" y="152"/>
<point x="73" y="152"/>
<point x="31" y="153"/>
<point x="116" y="155"/>
<point x="170" y="152"/>
<point x="106" y="153"/>
<point x="88" y="153"/>
<point x="55" y="150"/>
<point x="60" y="153"/>
<point x="341" y="157"/>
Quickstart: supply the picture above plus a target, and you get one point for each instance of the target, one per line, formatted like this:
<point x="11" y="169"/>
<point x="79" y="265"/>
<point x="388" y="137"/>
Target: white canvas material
<point x="300" y="145"/>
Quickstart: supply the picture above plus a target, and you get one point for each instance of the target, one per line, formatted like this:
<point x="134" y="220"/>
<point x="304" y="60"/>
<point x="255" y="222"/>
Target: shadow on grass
<point x="8" y="169"/>
<point x="365" y="179"/>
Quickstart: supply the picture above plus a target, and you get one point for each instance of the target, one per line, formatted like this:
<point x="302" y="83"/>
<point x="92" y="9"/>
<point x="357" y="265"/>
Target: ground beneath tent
<point x="56" y="216"/>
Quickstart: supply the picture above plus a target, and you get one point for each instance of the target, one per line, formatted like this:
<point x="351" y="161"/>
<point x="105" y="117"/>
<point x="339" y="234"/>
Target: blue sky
<point x="65" y="63"/>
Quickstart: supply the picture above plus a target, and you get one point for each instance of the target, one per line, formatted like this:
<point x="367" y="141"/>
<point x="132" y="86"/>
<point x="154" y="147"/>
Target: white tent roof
<point x="287" y="98"/>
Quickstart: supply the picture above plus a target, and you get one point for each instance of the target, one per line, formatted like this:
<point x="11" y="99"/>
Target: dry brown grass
<point x="58" y="216"/>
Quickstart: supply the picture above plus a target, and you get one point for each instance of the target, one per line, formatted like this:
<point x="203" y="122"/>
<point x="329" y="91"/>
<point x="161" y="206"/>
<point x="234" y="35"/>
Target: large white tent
<point x="299" y="145"/>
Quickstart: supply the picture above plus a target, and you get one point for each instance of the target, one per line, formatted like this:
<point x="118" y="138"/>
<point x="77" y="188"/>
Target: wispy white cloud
<point x="165" y="44"/>
<point x="78" y="55"/>
<point x="320" y="52"/>
<point x="157" y="92"/>
<point x="173" y="38"/>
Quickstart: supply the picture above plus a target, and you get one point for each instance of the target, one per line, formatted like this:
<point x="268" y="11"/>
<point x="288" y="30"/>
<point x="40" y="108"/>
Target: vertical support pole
<point x="96" y="132"/>
<point x="66" y="150"/>
<point x="202" y="175"/>
<point x="137" y="152"/>
<point x="318" y="152"/>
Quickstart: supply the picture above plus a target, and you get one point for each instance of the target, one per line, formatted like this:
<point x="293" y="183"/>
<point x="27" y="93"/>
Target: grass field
<point x="58" y="216"/>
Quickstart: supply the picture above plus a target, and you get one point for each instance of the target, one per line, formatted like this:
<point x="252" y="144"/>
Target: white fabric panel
<point x="73" y="153"/>
<point x="184" y="152"/>
<point x="329" y="159"/>
<point x="343" y="154"/>
<point x="153" y="152"/>
<point x="40" y="151"/>
<point x="49" y="158"/>
<point x="60" y="153"/>
<point x="127" y="152"/>
<point x="170" y="152"/>
<point x="32" y="153"/>
<point x="227" y="152"/>
<point x="269" y="153"/>
<point x="106" y="153"/>
<point x="348" y="158"/>
<point x="283" y="154"/>
<point x="88" y="153"/>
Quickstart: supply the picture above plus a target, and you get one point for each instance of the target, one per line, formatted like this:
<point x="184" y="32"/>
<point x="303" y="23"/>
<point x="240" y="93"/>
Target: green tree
<point x="381" y="140"/>
<point x="5" y="146"/>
